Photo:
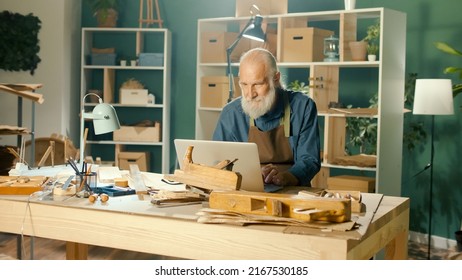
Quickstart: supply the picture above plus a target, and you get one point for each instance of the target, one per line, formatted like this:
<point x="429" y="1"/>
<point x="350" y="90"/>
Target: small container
<point x="85" y="183"/>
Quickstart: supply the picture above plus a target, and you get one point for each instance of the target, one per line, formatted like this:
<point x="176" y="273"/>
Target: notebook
<point x="210" y="153"/>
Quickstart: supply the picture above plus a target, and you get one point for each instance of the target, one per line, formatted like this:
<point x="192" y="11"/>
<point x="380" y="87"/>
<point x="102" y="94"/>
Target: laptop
<point x="210" y="153"/>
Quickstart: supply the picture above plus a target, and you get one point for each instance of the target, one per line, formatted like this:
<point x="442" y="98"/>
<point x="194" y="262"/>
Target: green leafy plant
<point x="299" y="86"/>
<point x="372" y="48"/>
<point x="373" y="32"/>
<point x="372" y="37"/>
<point x="362" y="132"/>
<point x="20" y="44"/>
<point x="101" y="8"/>
<point x="456" y="88"/>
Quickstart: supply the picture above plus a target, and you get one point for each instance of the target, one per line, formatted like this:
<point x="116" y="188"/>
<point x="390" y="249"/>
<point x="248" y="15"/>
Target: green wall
<point x="428" y="21"/>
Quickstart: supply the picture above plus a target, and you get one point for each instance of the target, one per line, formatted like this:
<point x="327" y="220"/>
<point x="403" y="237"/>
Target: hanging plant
<point x="19" y="48"/>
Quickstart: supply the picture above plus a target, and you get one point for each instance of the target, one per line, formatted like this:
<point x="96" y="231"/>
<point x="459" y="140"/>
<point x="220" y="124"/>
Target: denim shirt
<point x="233" y="125"/>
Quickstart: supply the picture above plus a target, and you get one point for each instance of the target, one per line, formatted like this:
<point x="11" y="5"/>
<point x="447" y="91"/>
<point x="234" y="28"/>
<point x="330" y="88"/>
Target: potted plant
<point x="105" y="12"/>
<point x="372" y="50"/>
<point x="299" y="86"/>
<point x="359" y="48"/>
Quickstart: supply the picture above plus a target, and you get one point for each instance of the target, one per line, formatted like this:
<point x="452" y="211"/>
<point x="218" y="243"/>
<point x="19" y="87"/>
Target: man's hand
<point x="272" y="175"/>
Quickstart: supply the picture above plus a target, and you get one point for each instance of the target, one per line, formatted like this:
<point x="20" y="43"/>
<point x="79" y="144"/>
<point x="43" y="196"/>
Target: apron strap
<point x="285" y="120"/>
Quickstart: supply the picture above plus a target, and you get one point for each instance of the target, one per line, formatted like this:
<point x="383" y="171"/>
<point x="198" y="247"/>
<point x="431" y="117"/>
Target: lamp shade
<point x="254" y="30"/>
<point x="433" y="97"/>
<point x="105" y="119"/>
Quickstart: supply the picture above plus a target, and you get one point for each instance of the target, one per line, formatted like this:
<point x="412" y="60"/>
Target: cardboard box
<point x="133" y="96"/>
<point x="352" y="183"/>
<point x="139" y="158"/>
<point x="269" y="44"/>
<point x="266" y="7"/>
<point x="215" y="91"/>
<point x="138" y="133"/>
<point x="215" y="43"/>
<point x="305" y="44"/>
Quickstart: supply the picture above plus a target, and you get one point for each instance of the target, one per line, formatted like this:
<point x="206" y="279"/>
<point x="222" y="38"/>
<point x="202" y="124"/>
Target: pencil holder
<point x="85" y="182"/>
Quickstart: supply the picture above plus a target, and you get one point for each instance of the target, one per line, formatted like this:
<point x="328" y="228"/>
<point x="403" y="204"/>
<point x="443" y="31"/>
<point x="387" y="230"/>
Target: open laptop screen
<point x="212" y="152"/>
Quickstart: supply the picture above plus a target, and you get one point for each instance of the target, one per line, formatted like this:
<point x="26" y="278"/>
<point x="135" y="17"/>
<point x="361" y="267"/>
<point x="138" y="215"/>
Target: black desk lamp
<point x="253" y="31"/>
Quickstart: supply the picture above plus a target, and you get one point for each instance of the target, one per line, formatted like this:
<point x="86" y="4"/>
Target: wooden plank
<point x="324" y="86"/>
<point x="207" y="177"/>
<point x="14" y="185"/>
<point x="348" y="27"/>
<point x="336" y="138"/>
<point x="76" y="251"/>
<point x="283" y="205"/>
<point x="23" y="90"/>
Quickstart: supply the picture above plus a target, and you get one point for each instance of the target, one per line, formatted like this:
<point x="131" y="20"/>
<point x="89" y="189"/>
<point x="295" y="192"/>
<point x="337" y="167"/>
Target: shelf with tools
<point x="129" y="68"/>
<point x="296" y="40"/>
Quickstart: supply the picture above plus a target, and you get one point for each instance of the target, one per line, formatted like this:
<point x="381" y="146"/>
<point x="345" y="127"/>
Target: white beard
<point x="259" y="106"/>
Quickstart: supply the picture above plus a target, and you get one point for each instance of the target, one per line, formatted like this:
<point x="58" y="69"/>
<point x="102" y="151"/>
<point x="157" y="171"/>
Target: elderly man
<point x="282" y="123"/>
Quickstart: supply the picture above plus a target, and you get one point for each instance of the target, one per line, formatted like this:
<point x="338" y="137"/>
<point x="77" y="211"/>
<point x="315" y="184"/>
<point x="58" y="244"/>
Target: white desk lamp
<point x="432" y="97"/>
<point x="104" y="118"/>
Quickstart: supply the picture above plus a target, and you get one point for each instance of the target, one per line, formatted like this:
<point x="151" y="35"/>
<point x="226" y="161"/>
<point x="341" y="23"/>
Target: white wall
<point x="58" y="70"/>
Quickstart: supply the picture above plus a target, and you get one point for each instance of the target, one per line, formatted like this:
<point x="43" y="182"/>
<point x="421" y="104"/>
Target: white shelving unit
<point x="390" y="80"/>
<point x="108" y="78"/>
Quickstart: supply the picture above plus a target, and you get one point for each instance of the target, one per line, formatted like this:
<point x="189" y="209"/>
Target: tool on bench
<point x="218" y="177"/>
<point x="282" y="205"/>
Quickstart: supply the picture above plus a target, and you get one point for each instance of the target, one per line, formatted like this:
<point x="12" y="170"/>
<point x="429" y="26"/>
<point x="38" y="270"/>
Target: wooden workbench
<point x="132" y="224"/>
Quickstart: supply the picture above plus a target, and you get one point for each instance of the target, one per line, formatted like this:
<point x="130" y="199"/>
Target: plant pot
<point x="358" y="50"/>
<point x="458" y="235"/>
<point x="123" y="63"/>
<point x="107" y="19"/>
<point x="350" y="4"/>
<point x="371" y="57"/>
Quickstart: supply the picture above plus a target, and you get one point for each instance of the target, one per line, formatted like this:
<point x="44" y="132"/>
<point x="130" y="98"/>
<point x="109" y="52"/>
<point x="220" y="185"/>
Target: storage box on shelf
<point x="139" y="133"/>
<point x="304" y="44"/>
<point x="152" y="47"/>
<point x="151" y="59"/>
<point x="133" y="96"/>
<point x="125" y="159"/>
<point x="326" y="83"/>
<point x="215" y="43"/>
<point x="271" y="43"/>
<point x="103" y="58"/>
<point x="215" y="91"/>
<point x="351" y="183"/>
<point x="266" y="7"/>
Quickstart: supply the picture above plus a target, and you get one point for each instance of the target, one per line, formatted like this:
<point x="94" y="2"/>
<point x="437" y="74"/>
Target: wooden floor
<point x="47" y="249"/>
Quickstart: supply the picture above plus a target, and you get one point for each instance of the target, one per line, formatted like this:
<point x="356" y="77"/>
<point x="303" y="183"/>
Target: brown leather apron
<point x="273" y="145"/>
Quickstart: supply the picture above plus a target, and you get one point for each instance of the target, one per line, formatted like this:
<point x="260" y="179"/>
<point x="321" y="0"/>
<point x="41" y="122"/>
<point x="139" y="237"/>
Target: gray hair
<point x="261" y="55"/>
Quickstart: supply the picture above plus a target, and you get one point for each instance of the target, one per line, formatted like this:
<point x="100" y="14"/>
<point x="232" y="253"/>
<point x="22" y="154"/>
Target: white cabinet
<point x="151" y="48"/>
<point x="384" y="78"/>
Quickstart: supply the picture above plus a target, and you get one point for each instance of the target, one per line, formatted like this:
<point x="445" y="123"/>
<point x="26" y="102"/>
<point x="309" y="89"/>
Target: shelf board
<point x="359" y="161"/>
<point x="352" y="112"/>
<point x="117" y="67"/>
<point x="110" y="142"/>
<point x="350" y="167"/>
<point x="346" y="64"/>
<point x="210" y="109"/>
<point x="313" y="16"/>
<point x="150" y="106"/>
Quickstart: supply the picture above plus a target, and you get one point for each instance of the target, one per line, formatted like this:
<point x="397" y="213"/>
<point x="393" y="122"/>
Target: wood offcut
<point x="207" y="177"/>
